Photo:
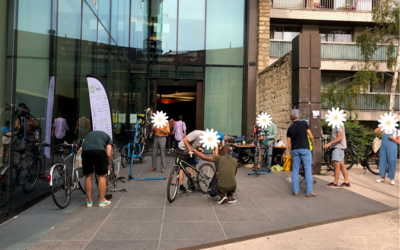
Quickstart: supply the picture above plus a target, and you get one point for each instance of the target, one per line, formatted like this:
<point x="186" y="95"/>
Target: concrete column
<point x="3" y="57"/>
<point x="309" y="29"/>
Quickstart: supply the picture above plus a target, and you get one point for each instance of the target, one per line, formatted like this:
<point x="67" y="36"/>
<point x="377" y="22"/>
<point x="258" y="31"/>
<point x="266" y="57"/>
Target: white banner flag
<point x="100" y="107"/>
<point x="49" y="115"/>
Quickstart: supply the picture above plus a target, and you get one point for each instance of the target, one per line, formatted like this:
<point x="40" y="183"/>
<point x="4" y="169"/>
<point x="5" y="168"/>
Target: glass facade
<point x="129" y="45"/>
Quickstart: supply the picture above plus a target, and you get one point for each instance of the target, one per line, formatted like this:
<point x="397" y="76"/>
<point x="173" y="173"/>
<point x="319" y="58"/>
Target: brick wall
<point x="274" y="93"/>
<point x="263" y="34"/>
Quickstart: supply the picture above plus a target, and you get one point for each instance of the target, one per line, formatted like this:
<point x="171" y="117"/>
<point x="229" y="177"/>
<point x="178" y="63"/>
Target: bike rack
<point x="130" y="177"/>
<point x="264" y="172"/>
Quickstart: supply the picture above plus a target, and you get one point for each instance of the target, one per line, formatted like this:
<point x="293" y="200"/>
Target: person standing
<point x="298" y="144"/>
<point x="60" y="126"/>
<point x="83" y="126"/>
<point x="96" y="156"/>
<point x="339" y="144"/>
<point x="388" y="155"/>
<point x="160" y="135"/>
<point x="171" y="136"/>
<point x="222" y="138"/>
<point x="31" y="125"/>
<point x="179" y="130"/>
<point x="272" y="133"/>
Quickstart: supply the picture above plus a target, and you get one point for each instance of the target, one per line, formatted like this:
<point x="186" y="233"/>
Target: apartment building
<point x="338" y="22"/>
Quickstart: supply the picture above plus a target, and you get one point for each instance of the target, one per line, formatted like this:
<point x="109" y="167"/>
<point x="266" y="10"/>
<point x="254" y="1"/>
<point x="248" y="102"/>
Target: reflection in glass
<point x="139" y="31"/>
<point x="104" y="13"/>
<point x="163" y="31"/>
<point x="335" y="35"/>
<point x="102" y="50"/>
<point x="69" y="18"/>
<point x="162" y="70"/>
<point x="225" y="32"/>
<point x="89" y="35"/>
<point x="191" y="32"/>
<point x="137" y="88"/>
<point x="190" y="72"/>
<point x="120" y="15"/>
<point x="223" y="99"/>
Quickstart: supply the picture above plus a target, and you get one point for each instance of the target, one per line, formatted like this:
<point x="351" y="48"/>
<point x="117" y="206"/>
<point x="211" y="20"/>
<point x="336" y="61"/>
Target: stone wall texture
<point x="274" y="93"/>
<point x="263" y="34"/>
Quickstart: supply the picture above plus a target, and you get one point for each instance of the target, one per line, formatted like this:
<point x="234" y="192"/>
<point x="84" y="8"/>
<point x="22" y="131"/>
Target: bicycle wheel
<point x="348" y="158"/>
<point x="81" y="180"/>
<point x="124" y="157"/>
<point x="31" y="174"/>
<point x="173" y="184"/>
<point x="139" y="148"/>
<point x="373" y="163"/>
<point x="204" y="176"/>
<point x="5" y="186"/>
<point x="60" y="188"/>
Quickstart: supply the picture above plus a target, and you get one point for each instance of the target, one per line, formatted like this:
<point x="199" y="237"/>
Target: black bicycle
<point x="368" y="159"/>
<point x="204" y="175"/>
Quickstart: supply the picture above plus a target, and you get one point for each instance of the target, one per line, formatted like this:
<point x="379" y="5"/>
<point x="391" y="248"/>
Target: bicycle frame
<point x="64" y="168"/>
<point x="179" y="161"/>
<point x="353" y="147"/>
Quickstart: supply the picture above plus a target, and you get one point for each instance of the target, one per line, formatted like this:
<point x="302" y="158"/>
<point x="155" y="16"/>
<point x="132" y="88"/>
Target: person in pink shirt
<point x="179" y="130"/>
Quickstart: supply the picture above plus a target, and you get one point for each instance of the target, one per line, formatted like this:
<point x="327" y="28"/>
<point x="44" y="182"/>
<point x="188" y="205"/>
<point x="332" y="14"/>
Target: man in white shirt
<point x="60" y="127"/>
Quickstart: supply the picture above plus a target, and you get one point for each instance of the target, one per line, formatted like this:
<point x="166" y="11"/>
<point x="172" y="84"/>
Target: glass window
<point x="225" y="31"/>
<point x="190" y="72"/>
<point x="163" y="31"/>
<point x="123" y="23"/>
<point x="278" y="33"/>
<point x="94" y="4"/>
<point x="290" y="32"/>
<point x="191" y="32"/>
<point x="104" y="13"/>
<point x="89" y="36"/>
<point x="103" y="50"/>
<point x="139" y="30"/>
<point x="338" y="35"/>
<point x="137" y="88"/>
<point x="162" y="70"/>
<point x="223" y="99"/>
<point x="69" y="19"/>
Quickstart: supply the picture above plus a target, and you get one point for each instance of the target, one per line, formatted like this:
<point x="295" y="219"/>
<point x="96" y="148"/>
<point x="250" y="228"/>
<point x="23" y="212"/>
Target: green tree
<point x="385" y="31"/>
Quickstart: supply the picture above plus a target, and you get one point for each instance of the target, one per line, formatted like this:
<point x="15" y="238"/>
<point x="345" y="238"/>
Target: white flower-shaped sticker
<point x="159" y="119"/>
<point x="264" y="120"/>
<point x="335" y="117"/>
<point x="388" y="123"/>
<point x="210" y="139"/>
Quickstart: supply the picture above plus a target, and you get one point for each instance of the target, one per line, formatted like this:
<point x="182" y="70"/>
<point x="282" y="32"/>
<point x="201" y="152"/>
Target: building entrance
<point x="180" y="97"/>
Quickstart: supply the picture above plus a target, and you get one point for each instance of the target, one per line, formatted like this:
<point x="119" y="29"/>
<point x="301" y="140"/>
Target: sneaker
<point x="172" y="150"/>
<point x="345" y="185"/>
<point x="192" y="189"/>
<point x="152" y="170"/>
<point x="392" y="182"/>
<point x="162" y="170"/>
<point x="380" y="180"/>
<point x="331" y="185"/>
<point x="231" y="200"/>
<point x="183" y="191"/>
<point x="89" y="203"/>
<point x="295" y="194"/>
<point x="104" y="203"/>
<point x="311" y="195"/>
<point x="222" y="199"/>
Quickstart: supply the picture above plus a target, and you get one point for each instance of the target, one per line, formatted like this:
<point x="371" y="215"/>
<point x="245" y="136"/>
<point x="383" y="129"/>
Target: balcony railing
<point x="368" y="103"/>
<point x="331" y="51"/>
<point x="336" y="5"/>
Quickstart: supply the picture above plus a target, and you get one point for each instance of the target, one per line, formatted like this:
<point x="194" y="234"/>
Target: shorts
<point x="270" y="149"/>
<point x="338" y="155"/>
<point x="94" y="160"/>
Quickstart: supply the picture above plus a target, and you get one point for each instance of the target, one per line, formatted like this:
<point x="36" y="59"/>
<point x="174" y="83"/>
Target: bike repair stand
<point x="130" y="177"/>
<point x="264" y="172"/>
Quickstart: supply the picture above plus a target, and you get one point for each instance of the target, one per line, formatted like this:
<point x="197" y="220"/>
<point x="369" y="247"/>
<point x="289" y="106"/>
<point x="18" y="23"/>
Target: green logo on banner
<point x="92" y="89"/>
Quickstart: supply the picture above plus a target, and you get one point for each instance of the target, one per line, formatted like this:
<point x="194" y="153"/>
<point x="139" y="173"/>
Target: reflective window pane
<point x="190" y="72"/>
<point x="223" y="99"/>
<point x="191" y="32"/>
<point x="69" y="18"/>
<point x="163" y="31"/>
<point x="104" y="13"/>
<point x="123" y="23"/>
<point x="225" y="32"/>
<point x="139" y="30"/>
<point x="162" y="70"/>
<point x="89" y="36"/>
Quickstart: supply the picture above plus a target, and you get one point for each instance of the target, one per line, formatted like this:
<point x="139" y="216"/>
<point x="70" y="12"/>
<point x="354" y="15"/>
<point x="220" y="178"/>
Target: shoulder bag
<point x="212" y="190"/>
<point x="376" y="144"/>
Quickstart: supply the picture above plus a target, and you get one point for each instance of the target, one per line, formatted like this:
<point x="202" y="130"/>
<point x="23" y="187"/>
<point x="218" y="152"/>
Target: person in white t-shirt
<point x="60" y="127"/>
<point x="388" y="154"/>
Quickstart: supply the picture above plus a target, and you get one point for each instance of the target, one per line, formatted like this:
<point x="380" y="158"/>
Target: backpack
<point x="212" y="190"/>
<point x="171" y="126"/>
<point x="287" y="163"/>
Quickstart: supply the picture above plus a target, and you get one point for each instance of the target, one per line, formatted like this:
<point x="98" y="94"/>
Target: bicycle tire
<point x="81" y="180"/>
<point x="173" y="176"/>
<point x="32" y="173"/>
<point x="60" y="189"/>
<point x="373" y="164"/>
<point x="5" y="186"/>
<point x="348" y="158"/>
<point x="125" y="159"/>
<point x="204" y="176"/>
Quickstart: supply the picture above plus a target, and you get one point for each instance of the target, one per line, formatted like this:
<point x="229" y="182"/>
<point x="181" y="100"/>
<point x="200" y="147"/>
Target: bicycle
<point x="368" y="160"/>
<point x="17" y="175"/>
<point x="61" y="183"/>
<point x="348" y="156"/>
<point x="204" y="175"/>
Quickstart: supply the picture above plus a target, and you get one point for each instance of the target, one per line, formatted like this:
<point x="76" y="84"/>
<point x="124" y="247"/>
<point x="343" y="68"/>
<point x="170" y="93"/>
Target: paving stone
<point x="144" y="202"/>
<point x="112" y="230"/>
<point x="75" y="230"/>
<point x="192" y="231"/>
<point x="123" y="244"/>
<point x="59" y="245"/>
<point x="235" y="229"/>
<point x="136" y="214"/>
<point x="179" y="214"/>
<point x="229" y="213"/>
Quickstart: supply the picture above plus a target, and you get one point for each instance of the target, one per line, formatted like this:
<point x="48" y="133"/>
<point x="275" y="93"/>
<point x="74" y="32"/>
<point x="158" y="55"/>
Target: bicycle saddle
<point x="59" y="151"/>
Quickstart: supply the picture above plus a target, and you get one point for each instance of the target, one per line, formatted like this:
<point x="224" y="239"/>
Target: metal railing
<point x="331" y="51"/>
<point x="368" y="103"/>
<point x="336" y="5"/>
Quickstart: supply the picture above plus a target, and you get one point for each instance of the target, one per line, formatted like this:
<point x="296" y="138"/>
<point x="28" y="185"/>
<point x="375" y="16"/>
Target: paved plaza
<point x="142" y="218"/>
